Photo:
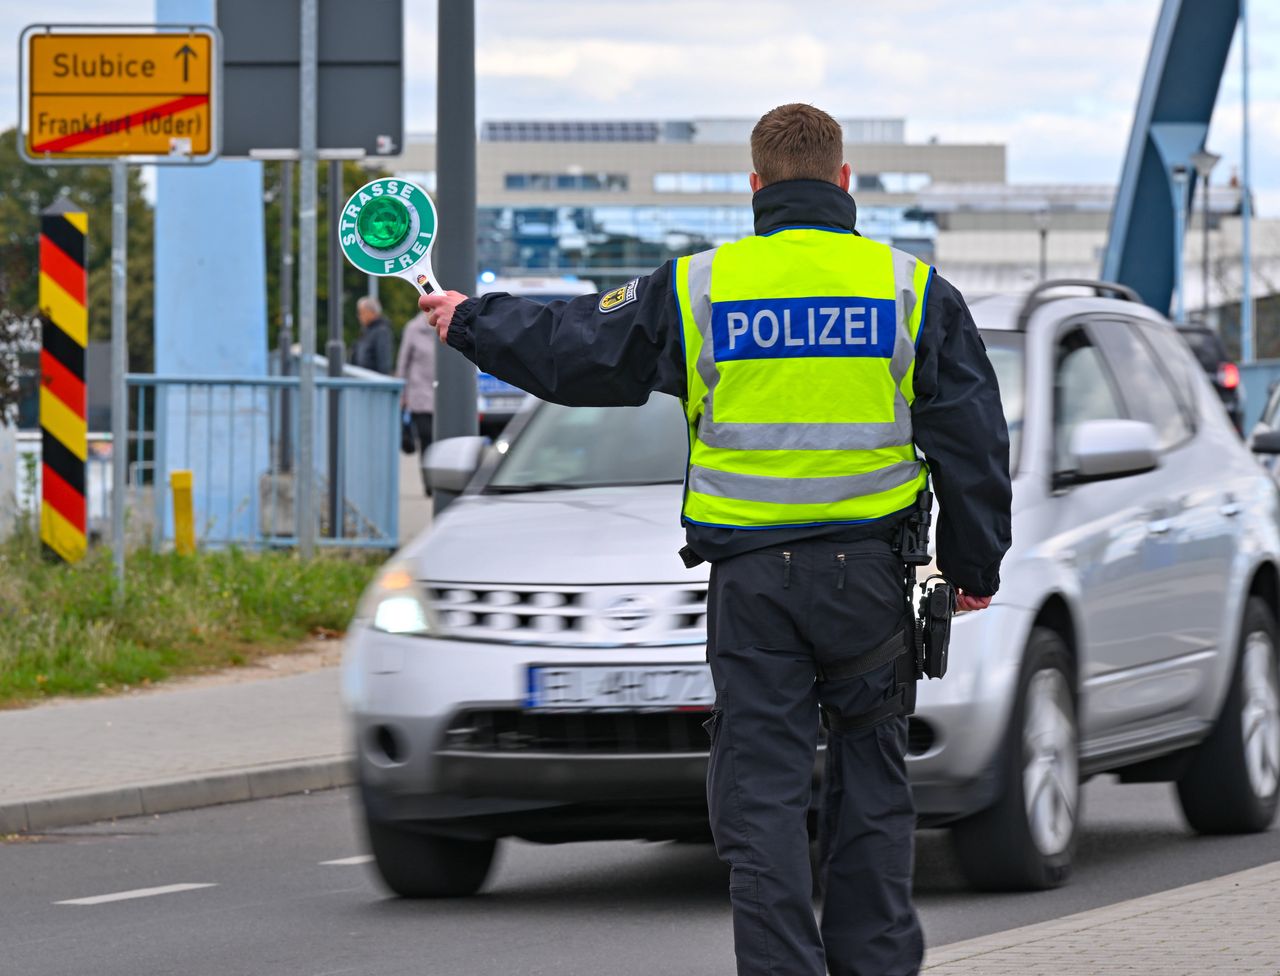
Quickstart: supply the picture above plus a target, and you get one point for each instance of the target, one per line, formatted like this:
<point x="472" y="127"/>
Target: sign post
<point x="140" y="94"/>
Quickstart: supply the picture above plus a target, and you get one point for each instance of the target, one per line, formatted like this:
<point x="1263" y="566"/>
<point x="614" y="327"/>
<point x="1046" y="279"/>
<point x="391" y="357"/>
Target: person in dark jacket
<point x="802" y="611"/>
<point x="375" y="347"/>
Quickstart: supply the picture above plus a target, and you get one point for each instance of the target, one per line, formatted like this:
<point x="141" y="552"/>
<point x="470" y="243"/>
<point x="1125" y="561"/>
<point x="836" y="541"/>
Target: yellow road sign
<point x="102" y="94"/>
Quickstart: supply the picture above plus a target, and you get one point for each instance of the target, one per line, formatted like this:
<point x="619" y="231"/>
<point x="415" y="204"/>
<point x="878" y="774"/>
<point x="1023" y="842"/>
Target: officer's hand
<point x="439" y="308"/>
<point x="966" y="601"/>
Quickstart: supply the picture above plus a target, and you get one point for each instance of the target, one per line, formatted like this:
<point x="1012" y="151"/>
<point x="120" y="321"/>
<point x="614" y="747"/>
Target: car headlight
<point x="394" y="603"/>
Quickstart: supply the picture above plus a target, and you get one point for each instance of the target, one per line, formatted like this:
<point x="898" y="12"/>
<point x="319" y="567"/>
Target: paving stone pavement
<point x="77" y="761"/>
<point x="1225" y="926"/>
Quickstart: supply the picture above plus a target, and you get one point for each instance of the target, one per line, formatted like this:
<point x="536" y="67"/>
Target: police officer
<point x="812" y="363"/>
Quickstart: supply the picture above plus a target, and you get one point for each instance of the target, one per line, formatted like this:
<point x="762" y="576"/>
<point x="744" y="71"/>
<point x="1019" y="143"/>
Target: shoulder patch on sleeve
<point x="611" y="301"/>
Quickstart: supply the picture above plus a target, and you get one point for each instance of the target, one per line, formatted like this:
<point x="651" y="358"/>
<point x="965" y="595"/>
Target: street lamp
<point x="1041" y="218"/>
<point x="1204" y="162"/>
<point x="1180" y="174"/>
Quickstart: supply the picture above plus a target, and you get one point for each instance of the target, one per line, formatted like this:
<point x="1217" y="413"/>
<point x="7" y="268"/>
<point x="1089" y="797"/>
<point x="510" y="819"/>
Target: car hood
<point x="583" y="537"/>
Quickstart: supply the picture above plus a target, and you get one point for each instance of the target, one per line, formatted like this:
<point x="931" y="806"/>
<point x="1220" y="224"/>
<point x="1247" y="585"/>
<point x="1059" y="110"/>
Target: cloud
<point x="1057" y="83"/>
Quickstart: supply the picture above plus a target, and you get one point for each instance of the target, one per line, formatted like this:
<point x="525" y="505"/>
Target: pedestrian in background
<point x="812" y="364"/>
<point x="416" y="365"/>
<point x="375" y="347"/>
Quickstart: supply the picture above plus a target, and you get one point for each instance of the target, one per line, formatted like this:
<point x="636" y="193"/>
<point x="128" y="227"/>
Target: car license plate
<point x="501" y="404"/>
<point x="631" y="686"/>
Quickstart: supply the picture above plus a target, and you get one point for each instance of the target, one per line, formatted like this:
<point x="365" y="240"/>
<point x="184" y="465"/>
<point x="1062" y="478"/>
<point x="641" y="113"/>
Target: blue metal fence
<point x="227" y="432"/>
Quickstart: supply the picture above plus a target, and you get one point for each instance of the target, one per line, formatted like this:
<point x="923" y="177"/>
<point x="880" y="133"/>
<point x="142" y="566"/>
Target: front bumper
<point x="407" y="694"/>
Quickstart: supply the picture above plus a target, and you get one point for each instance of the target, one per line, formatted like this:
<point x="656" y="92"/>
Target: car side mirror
<point x="1265" y="441"/>
<point x="450" y="463"/>
<point x="1105" y="449"/>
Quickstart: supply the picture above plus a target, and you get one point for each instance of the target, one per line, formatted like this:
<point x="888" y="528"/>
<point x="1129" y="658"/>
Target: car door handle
<point x="1231" y="509"/>
<point x="1159" y="526"/>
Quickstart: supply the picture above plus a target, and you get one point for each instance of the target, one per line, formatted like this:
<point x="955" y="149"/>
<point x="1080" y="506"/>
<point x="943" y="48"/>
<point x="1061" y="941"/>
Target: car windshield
<point x="1006" y="352"/>
<point x="595" y="447"/>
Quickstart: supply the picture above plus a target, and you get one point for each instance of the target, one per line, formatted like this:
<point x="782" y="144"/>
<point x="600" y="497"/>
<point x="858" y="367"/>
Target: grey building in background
<point x="611" y="199"/>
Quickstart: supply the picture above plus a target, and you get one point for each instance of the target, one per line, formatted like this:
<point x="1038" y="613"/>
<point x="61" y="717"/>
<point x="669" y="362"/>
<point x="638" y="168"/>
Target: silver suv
<point x="533" y="665"/>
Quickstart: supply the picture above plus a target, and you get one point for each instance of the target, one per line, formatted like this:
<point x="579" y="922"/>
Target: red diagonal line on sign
<point x="62" y="383"/>
<point x="112" y="126"/>
<point x="68" y="502"/>
<point x="55" y="262"/>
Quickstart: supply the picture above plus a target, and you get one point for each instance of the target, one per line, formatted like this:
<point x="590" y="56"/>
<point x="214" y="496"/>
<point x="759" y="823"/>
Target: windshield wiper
<point x="569" y="486"/>
<point x="533" y="486"/>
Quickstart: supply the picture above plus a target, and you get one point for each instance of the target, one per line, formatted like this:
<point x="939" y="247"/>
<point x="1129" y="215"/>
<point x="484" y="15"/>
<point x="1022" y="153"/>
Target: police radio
<point x="932" y="620"/>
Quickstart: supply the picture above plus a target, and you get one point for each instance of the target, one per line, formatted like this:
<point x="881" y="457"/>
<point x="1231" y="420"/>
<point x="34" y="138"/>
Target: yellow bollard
<point x="184" y="518"/>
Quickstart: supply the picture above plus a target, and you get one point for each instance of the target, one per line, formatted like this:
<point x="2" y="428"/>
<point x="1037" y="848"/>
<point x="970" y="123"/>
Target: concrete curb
<point x="167" y="796"/>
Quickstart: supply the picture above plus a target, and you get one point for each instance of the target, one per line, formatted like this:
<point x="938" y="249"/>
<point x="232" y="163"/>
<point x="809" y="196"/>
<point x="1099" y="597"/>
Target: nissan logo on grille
<point x="627" y="613"/>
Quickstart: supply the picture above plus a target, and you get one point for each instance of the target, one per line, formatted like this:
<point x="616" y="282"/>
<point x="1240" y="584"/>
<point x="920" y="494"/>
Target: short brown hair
<point x="797" y="142"/>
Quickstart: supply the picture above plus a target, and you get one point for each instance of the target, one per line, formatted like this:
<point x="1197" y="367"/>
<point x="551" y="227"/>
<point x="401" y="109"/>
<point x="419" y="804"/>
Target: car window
<point x="1082" y="391"/>
<point x="1181" y="367"/>
<point x="1146" y="388"/>
<point x="1205" y="346"/>
<point x="1006" y="350"/>
<point x="585" y="447"/>
<point x="1271" y="411"/>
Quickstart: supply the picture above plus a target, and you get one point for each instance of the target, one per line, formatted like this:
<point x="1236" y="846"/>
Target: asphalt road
<point x="270" y="906"/>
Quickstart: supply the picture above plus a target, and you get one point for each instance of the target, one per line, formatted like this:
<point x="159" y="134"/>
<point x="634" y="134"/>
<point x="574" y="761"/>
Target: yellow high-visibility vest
<point x="800" y="351"/>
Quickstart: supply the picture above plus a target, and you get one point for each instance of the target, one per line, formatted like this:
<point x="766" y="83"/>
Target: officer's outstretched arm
<point x="610" y="349"/>
<point x="959" y="425"/>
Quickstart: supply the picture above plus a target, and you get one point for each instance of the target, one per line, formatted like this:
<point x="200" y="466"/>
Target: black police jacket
<point x="616" y="349"/>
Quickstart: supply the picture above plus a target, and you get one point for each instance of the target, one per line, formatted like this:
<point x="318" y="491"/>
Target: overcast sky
<point x="1055" y="82"/>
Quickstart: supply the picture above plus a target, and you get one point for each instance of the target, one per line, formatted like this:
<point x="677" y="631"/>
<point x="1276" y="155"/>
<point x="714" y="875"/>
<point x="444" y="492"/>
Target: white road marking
<point x="358" y="859"/>
<point x="136" y="893"/>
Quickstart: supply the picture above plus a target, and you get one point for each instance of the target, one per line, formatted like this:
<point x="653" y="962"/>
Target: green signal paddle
<point x="387" y="229"/>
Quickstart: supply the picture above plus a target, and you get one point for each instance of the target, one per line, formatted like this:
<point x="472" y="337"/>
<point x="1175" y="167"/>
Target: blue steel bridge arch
<point x="1179" y="89"/>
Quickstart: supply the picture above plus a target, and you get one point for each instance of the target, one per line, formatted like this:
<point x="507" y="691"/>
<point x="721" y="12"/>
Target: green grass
<point x="62" y="634"/>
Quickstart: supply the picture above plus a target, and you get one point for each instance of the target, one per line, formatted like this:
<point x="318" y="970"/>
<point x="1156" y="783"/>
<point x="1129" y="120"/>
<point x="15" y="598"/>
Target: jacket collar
<point x="803" y="203"/>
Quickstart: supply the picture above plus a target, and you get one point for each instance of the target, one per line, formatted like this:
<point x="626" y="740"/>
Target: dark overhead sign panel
<point x="361" y="89"/>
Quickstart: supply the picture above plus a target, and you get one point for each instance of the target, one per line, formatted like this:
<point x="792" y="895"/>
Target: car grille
<point x="512" y="730"/>
<point x="608" y="733"/>
<point x="572" y="616"/>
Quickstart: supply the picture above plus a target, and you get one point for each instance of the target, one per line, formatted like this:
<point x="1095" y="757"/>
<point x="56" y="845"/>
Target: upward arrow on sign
<point x="186" y="53"/>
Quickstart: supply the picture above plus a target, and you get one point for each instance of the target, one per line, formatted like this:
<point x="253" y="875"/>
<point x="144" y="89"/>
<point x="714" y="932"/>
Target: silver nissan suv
<point x="534" y="664"/>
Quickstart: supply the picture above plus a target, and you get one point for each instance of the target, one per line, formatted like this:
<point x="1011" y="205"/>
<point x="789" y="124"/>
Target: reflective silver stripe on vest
<point x="810" y="437"/>
<point x="801" y="491"/>
<point x="905" y="297"/>
<point x="700" y="302"/>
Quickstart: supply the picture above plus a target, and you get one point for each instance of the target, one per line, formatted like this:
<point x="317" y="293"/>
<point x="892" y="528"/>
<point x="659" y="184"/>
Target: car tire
<point x="422" y="865"/>
<point x="1232" y="784"/>
<point x="1026" y="841"/>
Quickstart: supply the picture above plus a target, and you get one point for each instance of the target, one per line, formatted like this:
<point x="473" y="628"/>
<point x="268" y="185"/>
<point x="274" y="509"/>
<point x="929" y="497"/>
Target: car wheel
<point x="1233" y="781"/>
<point x="1026" y="840"/>
<point x="422" y="865"/>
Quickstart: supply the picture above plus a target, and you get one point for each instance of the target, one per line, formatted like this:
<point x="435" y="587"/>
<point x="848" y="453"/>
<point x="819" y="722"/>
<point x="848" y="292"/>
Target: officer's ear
<point x="846" y="176"/>
<point x="757" y="184"/>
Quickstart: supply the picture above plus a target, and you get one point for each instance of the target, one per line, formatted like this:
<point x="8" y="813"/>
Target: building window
<point x="609" y="182"/>
<point x="891" y="182"/>
<point x="724" y="182"/>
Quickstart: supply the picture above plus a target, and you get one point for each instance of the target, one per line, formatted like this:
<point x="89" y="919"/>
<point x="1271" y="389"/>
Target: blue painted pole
<point x="1246" y="203"/>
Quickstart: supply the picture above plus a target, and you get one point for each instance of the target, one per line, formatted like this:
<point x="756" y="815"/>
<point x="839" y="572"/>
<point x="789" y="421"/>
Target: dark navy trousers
<point x="775" y="617"/>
